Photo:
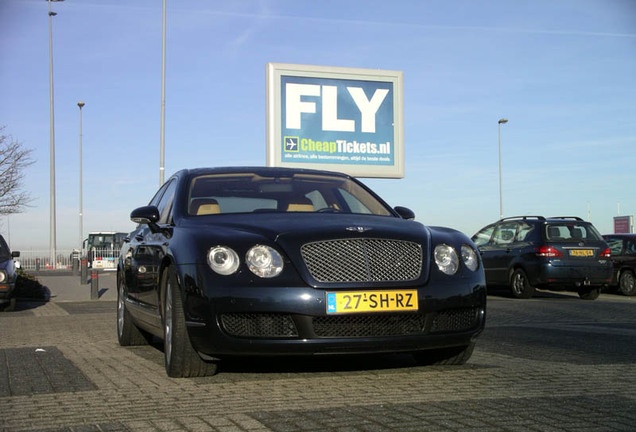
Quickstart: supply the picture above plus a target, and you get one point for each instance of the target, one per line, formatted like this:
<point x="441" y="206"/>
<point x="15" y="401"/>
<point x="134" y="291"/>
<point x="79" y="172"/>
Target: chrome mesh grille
<point x="363" y="260"/>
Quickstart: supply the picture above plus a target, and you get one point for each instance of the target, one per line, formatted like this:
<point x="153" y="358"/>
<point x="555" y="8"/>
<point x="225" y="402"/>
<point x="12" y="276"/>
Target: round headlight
<point x="446" y="259"/>
<point x="469" y="256"/>
<point x="3" y="276"/>
<point x="264" y="261"/>
<point x="223" y="260"/>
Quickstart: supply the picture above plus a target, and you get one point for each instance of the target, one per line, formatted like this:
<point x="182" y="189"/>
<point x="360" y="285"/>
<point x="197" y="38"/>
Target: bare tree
<point x="13" y="159"/>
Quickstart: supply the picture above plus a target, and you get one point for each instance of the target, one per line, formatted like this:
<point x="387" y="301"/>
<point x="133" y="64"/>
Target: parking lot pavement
<point x="553" y="363"/>
<point x="65" y="286"/>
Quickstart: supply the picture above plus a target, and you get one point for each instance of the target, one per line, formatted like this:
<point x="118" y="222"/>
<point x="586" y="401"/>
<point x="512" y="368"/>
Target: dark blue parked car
<point x="8" y="276"/>
<point x="268" y="261"/>
<point x="623" y="247"/>
<point x="557" y="253"/>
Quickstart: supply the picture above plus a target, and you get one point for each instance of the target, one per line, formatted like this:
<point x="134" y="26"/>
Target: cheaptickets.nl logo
<point x="291" y="144"/>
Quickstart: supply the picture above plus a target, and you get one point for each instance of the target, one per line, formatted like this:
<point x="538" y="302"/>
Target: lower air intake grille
<point x="261" y="325"/>
<point x="369" y="325"/>
<point x="455" y="320"/>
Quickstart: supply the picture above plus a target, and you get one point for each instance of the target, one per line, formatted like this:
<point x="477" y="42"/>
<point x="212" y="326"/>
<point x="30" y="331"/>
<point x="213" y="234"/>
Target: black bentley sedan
<point x="273" y="261"/>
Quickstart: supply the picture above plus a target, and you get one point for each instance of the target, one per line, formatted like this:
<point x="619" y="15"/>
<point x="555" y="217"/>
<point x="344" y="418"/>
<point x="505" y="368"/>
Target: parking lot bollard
<point x="84" y="271"/>
<point x="94" y="285"/>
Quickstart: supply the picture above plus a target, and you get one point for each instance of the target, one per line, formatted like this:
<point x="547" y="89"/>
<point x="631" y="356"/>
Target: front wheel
<point x="445" y="356"/>
<point x="627" y="283"/>
<point x="520" y="286"/>
<point x="181" y="360"/>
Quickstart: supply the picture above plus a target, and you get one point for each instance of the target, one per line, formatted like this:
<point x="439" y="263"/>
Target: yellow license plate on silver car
<point x="371" y="301"/>
<point x="582" y="252"/>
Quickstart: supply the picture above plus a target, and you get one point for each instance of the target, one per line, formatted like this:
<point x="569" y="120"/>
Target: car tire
<point x="181" y="360"/>
<point x="627" y="283"/>
<point x="589" y="293"/>
<point x="520" y="285"/>
<point x="128" y="334"/>
<point x="445" y="356"/>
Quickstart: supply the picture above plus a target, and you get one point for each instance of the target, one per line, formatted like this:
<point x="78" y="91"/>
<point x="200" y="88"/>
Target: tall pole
<point x="52" y="227"/>
<point x="499" y="123"/>
<point x="163" y="96"/>
<point x="80" y="104"/>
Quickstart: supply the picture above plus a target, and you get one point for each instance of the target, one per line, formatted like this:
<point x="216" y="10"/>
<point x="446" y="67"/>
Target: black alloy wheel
<point x="520" y="286"/>
<point x="128" y="333"/>
<point x="181" y="360"/>
<point x="627" y="283"/>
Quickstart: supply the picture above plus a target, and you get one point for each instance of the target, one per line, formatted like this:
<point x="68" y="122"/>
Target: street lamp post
<point x="52" y="228"/>
<point x="163" y="96"/>
<point x="80" y="104"/>
<point x="499" y="123"/>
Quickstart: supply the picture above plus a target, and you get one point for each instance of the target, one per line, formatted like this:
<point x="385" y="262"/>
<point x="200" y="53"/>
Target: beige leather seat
<point x="204" y="206"/>
<point x="300" y="205"/>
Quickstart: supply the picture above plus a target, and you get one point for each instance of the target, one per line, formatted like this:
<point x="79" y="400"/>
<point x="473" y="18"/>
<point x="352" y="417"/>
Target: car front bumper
<point x="293" y="320"/>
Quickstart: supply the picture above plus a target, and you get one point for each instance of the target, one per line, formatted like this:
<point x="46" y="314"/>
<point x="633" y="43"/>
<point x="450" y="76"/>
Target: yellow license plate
<point x="582" y="252"/>
<point x="371" y="301"/>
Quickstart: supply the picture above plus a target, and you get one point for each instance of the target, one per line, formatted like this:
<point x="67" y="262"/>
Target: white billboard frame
<point x="275" y="72"/>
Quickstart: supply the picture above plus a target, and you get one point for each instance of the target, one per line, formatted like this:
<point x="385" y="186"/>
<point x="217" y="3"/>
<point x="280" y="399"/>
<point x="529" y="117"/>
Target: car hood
<point x="305" y="227"/>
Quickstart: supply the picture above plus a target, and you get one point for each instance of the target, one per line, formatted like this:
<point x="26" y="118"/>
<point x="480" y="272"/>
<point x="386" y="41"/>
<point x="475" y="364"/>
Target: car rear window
<point x="571" y="231"/>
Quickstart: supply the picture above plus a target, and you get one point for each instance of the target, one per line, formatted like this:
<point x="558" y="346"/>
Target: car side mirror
<point x="145" y="215"/>
<point x="405" y="213"/>
<point x="15" y="254"/>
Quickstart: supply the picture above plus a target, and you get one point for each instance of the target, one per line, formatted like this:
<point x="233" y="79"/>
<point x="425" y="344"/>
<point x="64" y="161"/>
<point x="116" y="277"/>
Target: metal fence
<point x="40" y="259"/>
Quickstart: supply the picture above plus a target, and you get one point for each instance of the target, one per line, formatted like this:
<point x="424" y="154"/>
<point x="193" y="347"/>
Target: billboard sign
<point x="623" y="224"/>
<point x="340" y="119"/>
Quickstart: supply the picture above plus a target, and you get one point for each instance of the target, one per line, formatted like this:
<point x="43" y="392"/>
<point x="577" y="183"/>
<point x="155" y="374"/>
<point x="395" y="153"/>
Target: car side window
<point x="165" y="204"/>
<point x="525" y="231"/>
<point x="630" y="247"/>
<point x="615" y="245"/>
<point x="505" y="234"/>
<point x="155" y="199"/>
<point x="482" y="238"/>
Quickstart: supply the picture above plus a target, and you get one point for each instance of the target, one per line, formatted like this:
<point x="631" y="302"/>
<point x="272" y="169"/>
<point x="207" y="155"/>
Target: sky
<point x="563" y="72"/>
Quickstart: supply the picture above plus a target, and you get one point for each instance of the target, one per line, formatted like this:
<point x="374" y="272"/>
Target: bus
<point x="101" y="249"/>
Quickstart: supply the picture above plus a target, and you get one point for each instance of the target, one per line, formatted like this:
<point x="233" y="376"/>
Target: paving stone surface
<point x="552" y="363"/>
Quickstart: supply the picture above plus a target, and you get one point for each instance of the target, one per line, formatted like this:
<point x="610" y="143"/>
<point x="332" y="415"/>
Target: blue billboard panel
<point x="335" y="118"/>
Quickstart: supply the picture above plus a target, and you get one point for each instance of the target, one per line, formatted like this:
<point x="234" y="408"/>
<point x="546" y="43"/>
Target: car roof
<point x="550" y="219"/>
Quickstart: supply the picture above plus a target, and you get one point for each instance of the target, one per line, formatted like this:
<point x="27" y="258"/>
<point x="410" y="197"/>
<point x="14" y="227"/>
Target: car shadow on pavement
<point x="539" y="294"/>
<point x="254" y="368"/>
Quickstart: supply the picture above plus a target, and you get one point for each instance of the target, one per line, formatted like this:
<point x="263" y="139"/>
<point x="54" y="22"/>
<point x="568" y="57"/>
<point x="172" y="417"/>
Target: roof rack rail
<point x="566" y="217"/>
<point x="522" y="218"/>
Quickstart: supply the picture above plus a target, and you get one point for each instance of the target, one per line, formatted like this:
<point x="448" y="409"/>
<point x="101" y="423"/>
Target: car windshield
<point x="571" y="231"/>
<point x="298" y="192"/>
